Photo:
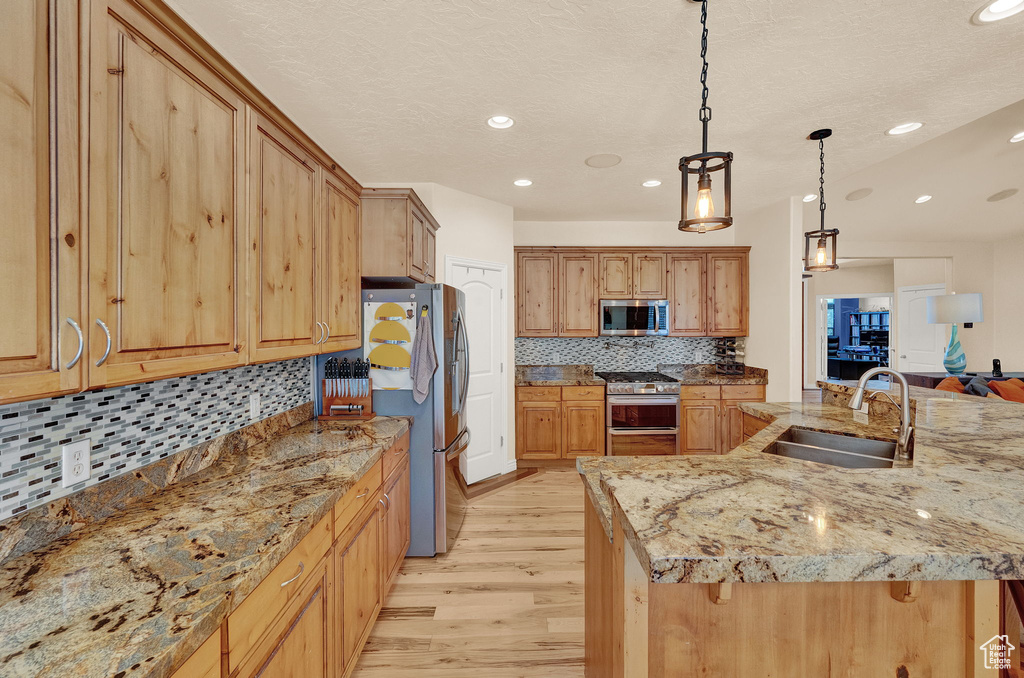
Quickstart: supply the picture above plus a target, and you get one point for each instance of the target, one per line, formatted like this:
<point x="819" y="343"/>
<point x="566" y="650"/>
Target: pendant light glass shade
<point x="820" y="245"/>
<point x="709" y="211"/>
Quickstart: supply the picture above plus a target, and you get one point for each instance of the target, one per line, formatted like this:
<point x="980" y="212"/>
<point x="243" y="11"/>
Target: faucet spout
<point x="906" y="430"/>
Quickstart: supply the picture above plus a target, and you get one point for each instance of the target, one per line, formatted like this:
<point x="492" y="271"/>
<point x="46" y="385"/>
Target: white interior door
<point x="921" y="346"/>
<point x="486" y="411"/>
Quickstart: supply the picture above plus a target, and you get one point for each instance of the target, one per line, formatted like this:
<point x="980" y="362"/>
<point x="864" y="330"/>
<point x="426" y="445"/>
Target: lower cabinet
<point x="555" y="422"/>
<point x="312" y="614"/>
<point x="711" y="419"/>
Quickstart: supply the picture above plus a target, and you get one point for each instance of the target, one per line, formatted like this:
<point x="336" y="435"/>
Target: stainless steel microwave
<point x="634" y="317"/>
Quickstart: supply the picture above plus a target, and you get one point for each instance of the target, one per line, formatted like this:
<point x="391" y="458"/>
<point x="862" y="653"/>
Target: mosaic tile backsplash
<point x="132" y="426"/>
<point x="615" y="353"/>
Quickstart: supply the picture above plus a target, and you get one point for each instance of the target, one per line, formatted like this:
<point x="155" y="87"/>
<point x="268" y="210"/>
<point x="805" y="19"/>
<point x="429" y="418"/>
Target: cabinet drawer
<point x="577" y="393"/>
<point x="753" y="392"/>
<point x="538" y="394"/>
<point x="361" y="494"/>
<point x="700" y="393"/>
<point x="395" y="455"/>
<point x="264" y="605"/>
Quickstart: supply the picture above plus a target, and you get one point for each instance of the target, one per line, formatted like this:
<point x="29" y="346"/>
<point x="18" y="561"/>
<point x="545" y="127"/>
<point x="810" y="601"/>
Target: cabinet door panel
<point x="40" y="116"/>
<point x="728" y="295"/>
<point x="430" y="252"/>
<point x="359" y="579"/>
<point x="649" y="276"/>
<point x="164" y="235"/>
<point x="687" y="292"/>
<point x="538" y="430"/>
<point x="616" y="274"/>
<point x="577" y="277"/>
<point x="339" y="268"/>
<point x="583" y="429"/>
<point x="732" y="426"/>
<point x="700" y="424"/>
<point x="396" y="530"/>
<point x="537" y="295"/>
<point x="283" y="232"/>
<point x="417" y="247"/>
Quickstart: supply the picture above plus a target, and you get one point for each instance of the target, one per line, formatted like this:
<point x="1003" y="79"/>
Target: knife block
<point x="347" y="408"/>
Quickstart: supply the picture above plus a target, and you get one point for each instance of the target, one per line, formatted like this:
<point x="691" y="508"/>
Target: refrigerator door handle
<point x="461" y="365"/>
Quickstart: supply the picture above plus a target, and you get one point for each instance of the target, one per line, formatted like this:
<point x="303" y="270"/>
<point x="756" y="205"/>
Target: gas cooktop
<point x="638" y="382"/>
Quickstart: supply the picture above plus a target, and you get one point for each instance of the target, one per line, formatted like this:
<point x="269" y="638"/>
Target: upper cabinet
<point x="42" y="336"/>
<point x="284" y="185"/>
<point x="398" y="235"/>
<point x="626" y="275"/>
<point x="558" y="292"/>
<point x="165" y="232"/>
<point x="338" y="263"/>
<point x="537" y="294"/>
<point x="728" y="290"/>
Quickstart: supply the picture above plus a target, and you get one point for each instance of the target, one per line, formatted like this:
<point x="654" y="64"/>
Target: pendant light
<point x="820" y="245"/>
<point x="705" y="215"/>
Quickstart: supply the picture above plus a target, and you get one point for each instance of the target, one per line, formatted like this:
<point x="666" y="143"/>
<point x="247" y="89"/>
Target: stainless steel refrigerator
<point x="439" y="435"/>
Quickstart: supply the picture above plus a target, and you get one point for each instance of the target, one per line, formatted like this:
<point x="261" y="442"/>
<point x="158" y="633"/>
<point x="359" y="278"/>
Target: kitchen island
<point x="753" y="564"/>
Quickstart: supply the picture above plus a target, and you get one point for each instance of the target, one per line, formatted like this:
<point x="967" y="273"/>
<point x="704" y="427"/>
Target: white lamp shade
<point x="955" y="308"/>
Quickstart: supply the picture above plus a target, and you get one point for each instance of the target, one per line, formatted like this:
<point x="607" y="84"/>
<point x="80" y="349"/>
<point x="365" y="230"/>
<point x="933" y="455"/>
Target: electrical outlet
<point x="254" y="406"/>
<point x="76" y="462"/>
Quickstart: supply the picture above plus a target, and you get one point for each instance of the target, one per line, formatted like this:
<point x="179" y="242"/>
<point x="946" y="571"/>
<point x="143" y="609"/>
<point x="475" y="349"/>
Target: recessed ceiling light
<point x="1017" y="138"/>
<point x="859" y="194"/>
<point x="923" y="198"/>
<point x="501" y="122"/>
<point x="603" y="160"/>
<point x="998" y="10"/>
<point x="809" y="197"/>
<point x="907" y="127"/>
<point x="522" y="182"/>
<point x="651" y="183"/>
<point x="1002" y="195"/>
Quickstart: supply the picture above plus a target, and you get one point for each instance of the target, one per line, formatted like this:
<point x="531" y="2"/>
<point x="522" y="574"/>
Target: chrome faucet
<point x="906" y="430"/>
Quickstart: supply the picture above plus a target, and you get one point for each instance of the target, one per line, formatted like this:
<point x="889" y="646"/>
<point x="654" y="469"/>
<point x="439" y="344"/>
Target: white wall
<point x="475" y="228"/>
<point x="1005" y="313"/>
<point x="615" y="234"/>
<point x="775" y="236"/>
<point x="857" y="280"/>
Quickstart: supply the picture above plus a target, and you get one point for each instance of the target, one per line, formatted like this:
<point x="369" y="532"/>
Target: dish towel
<point x="424" y="361"/>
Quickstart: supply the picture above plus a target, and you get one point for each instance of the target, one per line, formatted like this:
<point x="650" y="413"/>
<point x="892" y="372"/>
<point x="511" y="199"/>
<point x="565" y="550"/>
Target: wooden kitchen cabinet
<point x="687" y="291"/>
<point x="204" y="662"/>
<point x="578" y="307"/>
<point x="559" y="422"/>
<point x="396" y="521"/>
<point x="616" y="275"/>
<point x="338" y="267"/>
<point x="649" y="276"/>
<point x="360" y="579"/>
<point x="39" y="272"/>
<point x="711" y="420"/>
<point x="537" y="295"/>
<point x="166" y="244"/>
<point x="398" y="235"/>
<point x="728" y="291"/>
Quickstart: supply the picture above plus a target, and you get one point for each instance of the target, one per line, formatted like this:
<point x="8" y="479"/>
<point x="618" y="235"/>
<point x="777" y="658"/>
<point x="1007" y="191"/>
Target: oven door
<point x="631" y="442"/>
<point x="634" y="318"/>
<point x="639" y="424"/>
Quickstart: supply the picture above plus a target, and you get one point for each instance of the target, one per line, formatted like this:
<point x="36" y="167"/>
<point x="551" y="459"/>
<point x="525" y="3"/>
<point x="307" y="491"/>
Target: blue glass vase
<point x="955" y="361"/>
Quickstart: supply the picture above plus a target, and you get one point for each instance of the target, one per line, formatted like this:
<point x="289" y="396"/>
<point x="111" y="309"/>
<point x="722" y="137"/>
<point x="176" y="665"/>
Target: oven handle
<point x="641" y="431"/>
<point x="643" y="400"/>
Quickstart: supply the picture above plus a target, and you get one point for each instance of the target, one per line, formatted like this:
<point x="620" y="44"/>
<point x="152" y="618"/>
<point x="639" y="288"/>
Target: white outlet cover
<point x="76" y="462"/>
<point x="254" y="406"/>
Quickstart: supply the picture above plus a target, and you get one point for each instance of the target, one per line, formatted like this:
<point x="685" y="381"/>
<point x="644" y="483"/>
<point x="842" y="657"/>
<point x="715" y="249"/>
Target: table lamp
<point x="951" y="309"/>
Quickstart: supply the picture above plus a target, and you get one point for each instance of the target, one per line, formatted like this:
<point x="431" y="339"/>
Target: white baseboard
<point x="510" y="466"/>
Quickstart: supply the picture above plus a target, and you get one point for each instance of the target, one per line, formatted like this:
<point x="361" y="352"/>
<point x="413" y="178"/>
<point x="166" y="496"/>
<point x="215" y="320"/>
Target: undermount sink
<point x="835" y="450"/>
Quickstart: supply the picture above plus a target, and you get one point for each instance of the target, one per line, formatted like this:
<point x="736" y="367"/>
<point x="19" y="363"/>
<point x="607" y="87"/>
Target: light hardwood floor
<point x="505" y="602"/>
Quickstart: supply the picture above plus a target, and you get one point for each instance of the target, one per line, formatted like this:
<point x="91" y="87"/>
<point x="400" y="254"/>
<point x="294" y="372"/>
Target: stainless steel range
<point x="642" y="414"/>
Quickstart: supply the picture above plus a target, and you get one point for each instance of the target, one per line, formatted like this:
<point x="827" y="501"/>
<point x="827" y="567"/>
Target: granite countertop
<point x="705" y="375"/>
<point x="557" y="375"/>
<point x="956" y="514"/>
<point x="138" y="592"/>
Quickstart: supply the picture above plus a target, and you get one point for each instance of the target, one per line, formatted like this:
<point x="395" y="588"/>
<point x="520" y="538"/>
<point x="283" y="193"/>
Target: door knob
<point x="903" y="356"/>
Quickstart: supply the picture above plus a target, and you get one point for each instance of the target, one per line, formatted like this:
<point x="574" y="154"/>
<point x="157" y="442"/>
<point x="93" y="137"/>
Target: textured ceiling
<point x="399" y="90"/>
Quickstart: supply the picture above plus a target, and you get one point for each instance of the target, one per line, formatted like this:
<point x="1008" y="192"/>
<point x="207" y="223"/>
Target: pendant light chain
<point x="821" y="188"/>
<point x="705" y="111"/>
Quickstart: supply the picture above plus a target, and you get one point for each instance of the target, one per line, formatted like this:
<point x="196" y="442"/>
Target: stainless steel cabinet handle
<point x="327" y="333"/>
<point x="106" y="331"/>
<point x="360" y="496"/>
<point x="301" y="568"/>
<point x="381" y="502"/>
<point x="81" y="344"/>
<point x="388" y="500"/>
<point x="320" y="327"/>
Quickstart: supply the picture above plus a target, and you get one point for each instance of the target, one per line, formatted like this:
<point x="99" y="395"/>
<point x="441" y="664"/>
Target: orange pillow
<point x="951" y="384"/>
<point x="993" y="396"/>
<point x="1015" y="382"/>
<point x="1007" y="391"/>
